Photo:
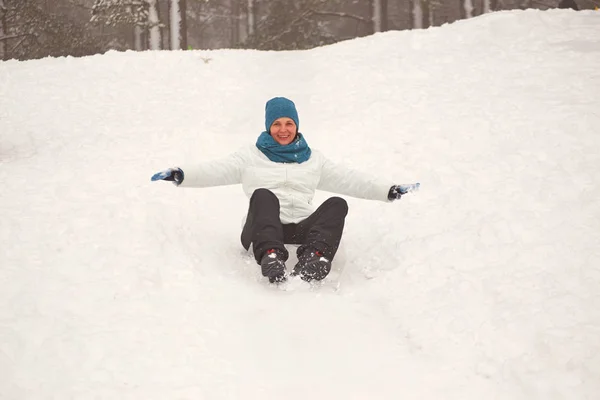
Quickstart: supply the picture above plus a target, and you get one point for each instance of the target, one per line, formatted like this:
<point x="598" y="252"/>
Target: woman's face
<point x="283" y="130"/>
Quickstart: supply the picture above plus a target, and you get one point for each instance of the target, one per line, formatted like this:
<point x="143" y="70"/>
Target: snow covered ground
<point x="483" y="285"/>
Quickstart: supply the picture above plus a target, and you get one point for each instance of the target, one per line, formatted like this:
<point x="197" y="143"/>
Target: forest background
<point x="31" y="29"/>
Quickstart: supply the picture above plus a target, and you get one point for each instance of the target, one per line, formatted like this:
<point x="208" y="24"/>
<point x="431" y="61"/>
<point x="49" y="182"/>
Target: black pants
<point x="322" y="230"/>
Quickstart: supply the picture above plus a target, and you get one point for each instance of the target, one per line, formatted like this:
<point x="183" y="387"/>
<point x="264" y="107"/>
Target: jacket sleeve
<point x="221" y="172"/>
<point x="340" y="179"/>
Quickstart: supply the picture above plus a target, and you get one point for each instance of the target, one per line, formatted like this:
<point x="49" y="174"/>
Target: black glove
<point x="394" y="193"/>
<point x="172" y="174"/>
<point x="397" y="191"/>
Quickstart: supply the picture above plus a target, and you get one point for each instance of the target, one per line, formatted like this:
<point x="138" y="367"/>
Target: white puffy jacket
<point x="293" y="184"/>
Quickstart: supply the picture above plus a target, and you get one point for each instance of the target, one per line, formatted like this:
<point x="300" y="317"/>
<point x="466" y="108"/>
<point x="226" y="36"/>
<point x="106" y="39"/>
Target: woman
<point x="280" y="174"/>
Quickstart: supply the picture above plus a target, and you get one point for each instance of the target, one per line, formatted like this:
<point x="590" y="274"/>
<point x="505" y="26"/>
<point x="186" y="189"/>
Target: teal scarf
<point x="295" y="152"/>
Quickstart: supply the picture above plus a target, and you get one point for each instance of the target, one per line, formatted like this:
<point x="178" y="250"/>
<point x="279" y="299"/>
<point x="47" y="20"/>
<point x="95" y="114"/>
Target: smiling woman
<point x="282" y="124"/>
<point x="280" y="175"/>
<point x="283" y="131"/>
<point x="281" y="120"/>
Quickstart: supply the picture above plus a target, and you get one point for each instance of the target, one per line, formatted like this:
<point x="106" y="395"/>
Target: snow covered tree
<point x="141" y="14"/>
<point x="120" y="12"/>
<point x="34" y="30"/>
<point x="115" y="12"/>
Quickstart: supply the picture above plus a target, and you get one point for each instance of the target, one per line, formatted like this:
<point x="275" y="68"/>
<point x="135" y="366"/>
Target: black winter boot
<point x="312" y="265"/>
<point x="273" y="265"/>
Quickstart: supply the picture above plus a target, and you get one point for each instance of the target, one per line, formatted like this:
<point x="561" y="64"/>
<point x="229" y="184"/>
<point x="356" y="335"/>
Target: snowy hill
<point x="483" y="285"/>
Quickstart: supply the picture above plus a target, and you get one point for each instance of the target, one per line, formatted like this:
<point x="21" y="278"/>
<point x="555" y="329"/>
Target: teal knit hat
<point x="279" y="107"/>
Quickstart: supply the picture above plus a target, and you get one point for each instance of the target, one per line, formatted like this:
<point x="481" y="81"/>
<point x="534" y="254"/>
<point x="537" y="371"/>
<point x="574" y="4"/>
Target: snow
<point x="483" y="284"/>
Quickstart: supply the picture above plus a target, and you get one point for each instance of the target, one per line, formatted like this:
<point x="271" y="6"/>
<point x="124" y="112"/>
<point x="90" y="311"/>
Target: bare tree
<point x="379" y="15"/>
<point x="466" y="8"/>
<point x="525" y="4"/>
<point x="138" y="38"/>
<point x="416" y="14"/>
<point x="3" y="31"/>
<point x="235" y="22"/>
<point x="428" y="8"/>
<point x="183" y="24"/>
<point x="216" y="23"/>
<point x="177" y="24"/>
<point x="485" y="6"/>
<point x="305" y="24"/>
<point x="154" y="37"/>
<point x="251" y="18"/>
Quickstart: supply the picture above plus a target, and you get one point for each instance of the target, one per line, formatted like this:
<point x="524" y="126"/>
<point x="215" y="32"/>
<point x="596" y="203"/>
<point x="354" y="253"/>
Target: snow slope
<point x="485" y="284"/>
